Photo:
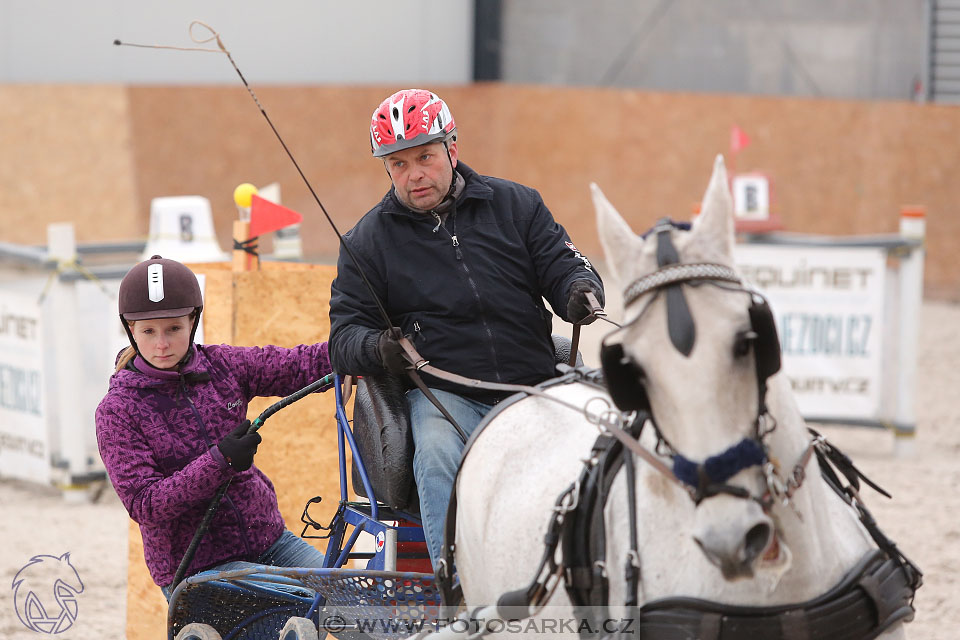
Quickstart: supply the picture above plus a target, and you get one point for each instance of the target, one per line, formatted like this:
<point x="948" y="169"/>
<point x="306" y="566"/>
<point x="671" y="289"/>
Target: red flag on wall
<point x="266" y="216"/>
<point x="738" y="139"/>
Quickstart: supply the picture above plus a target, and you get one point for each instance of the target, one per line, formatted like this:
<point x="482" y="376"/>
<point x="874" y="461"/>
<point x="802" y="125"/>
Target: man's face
<point x="422" y="175"/>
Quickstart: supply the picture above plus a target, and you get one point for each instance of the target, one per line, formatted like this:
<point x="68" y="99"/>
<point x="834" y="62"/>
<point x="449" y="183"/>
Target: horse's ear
<point x="713" y="229"/>
<point x="616" y="236"/>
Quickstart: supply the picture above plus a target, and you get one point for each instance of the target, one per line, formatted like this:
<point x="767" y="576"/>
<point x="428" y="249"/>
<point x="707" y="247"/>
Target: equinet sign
<point x="828" y="303"/>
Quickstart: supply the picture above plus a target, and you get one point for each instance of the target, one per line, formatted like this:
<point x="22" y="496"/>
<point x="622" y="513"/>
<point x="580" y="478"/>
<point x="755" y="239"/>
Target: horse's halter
<point x="625" y="377"/>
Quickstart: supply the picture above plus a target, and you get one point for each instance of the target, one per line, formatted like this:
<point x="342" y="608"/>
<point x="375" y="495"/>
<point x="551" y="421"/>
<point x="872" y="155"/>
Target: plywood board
<point x="836" y="167"/>
<point x="67" y="158"/>
<point x="98" y="155"/>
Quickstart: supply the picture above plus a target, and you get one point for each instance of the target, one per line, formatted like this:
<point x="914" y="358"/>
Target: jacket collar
<point x="476" y="187"/>
<point x="147" y="369"/>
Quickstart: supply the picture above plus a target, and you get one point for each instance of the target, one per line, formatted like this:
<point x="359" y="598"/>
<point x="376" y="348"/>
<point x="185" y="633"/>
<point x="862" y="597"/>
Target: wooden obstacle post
<point x="242" y="260"/>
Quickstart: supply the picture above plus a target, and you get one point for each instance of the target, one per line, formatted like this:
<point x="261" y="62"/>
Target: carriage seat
<point x="381" y="429"/>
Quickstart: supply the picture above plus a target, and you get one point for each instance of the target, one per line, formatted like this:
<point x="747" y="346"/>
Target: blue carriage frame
<point x="255" y="602"/>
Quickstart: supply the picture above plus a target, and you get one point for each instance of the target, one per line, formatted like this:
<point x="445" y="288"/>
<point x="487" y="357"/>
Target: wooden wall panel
<point x="66" y="156"/>
<point x="97" y="155"/>
<point x="837" y="167"/>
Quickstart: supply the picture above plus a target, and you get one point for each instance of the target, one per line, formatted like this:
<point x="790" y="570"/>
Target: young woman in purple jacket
<point x="171" y="430"/>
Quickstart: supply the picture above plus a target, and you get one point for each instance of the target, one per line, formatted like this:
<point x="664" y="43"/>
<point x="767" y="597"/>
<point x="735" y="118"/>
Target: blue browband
<point x="721" y="467"/>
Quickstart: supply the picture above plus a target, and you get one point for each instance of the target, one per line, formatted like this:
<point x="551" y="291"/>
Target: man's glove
<point x="578" y="308"/>
<point x="238" y="447"/>
<point x="391" y="353"/>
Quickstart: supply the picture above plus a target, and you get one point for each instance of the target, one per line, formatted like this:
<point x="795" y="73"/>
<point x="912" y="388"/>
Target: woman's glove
<point x="238" y="447"/>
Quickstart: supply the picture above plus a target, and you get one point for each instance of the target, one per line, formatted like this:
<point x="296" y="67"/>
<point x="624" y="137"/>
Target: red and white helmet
<point x="410" y="118"/>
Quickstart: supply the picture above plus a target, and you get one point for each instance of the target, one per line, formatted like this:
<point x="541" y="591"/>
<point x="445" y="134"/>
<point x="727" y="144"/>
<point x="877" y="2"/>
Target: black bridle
<point x="625" y="377"/>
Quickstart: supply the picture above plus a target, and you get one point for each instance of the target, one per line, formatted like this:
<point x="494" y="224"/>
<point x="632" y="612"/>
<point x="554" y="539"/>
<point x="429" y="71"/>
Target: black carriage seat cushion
<point x="381" y="428"/>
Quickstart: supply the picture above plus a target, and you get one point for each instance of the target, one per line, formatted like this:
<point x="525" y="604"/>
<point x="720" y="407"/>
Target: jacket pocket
<point x="416" y="333"/>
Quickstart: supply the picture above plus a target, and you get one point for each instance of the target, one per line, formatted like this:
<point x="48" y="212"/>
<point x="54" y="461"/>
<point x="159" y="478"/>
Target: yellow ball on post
<point x="243" y="195"/>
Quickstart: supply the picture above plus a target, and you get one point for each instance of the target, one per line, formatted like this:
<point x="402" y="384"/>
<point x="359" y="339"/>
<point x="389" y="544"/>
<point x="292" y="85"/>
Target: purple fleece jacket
<point x="157" y="432"/>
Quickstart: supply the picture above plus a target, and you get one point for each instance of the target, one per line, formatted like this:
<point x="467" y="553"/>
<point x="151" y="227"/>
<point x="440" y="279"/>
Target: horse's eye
<point x="742" y="342"/>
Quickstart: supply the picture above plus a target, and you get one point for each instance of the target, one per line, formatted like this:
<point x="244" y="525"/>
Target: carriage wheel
<point x="299" y="629"/>
<point x="198" y="631"/>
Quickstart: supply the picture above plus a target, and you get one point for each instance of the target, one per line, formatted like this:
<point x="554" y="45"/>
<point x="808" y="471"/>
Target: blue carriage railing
<point x="255" y="602"/>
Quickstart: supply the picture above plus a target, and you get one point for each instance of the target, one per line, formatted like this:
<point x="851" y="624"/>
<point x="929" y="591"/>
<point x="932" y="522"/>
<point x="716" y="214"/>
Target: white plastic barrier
<point x="847" y="311"/>
<point x="181" y="228"/>
<point x="59" y="333"/>
<point x="24" y="445"/>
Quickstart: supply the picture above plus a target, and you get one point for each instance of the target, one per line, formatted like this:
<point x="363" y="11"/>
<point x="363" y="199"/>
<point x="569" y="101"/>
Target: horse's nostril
<point x="712" y="557"/>
<point x="757" y="539"/>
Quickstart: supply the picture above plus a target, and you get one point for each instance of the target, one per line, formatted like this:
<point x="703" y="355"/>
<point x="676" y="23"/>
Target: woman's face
<point x="164" y="341"/>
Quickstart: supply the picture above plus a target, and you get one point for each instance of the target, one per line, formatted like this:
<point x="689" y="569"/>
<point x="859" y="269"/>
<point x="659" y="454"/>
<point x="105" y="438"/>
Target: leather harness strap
<point x="596" y="311"/>
<point x="584" y="532"/>
<point x="793" y="625"/>
<point x="872" y="597"/>
<point x="417" y="380"/>
<point x="574" y="345"/>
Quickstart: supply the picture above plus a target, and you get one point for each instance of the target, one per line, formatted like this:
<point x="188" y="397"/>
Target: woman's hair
<point x="130" y="352"/>
<point x="126" y="356"/>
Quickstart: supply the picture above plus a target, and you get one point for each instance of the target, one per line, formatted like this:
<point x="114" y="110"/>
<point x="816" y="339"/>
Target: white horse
<point x="756" y="549"/>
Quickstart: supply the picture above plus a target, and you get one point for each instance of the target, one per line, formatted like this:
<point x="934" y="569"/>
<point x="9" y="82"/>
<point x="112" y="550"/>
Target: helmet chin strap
<point x="453" y="173"/>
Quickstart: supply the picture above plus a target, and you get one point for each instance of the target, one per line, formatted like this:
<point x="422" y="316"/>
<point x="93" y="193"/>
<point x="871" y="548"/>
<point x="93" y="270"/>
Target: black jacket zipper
<point x="473" y="288"/>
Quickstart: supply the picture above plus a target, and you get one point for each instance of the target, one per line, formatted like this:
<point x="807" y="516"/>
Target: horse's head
<point x="696" y="351"/>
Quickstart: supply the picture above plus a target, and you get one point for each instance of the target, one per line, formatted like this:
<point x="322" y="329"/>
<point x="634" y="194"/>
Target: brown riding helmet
<point x="159" y="288"/>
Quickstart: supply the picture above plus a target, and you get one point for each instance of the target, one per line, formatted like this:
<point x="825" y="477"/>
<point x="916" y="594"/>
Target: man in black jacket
<point x="461" y="263"/>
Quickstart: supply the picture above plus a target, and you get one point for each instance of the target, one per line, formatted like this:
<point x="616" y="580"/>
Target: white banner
<point x="828" y="303"/>
<point x="24" y="450"/>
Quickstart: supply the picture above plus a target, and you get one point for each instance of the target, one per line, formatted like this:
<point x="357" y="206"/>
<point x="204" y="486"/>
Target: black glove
<point x="391" y="353"/>
<point x="578" y="308"/>
<point x="238" y="447"/>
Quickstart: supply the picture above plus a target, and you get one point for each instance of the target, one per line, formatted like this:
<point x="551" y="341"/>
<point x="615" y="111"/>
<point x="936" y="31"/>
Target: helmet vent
<point x="396" y="113"/>
<point x="155" y="282"/>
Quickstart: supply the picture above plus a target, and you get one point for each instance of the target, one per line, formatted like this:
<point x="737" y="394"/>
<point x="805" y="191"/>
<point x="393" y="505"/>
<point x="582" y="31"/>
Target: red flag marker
<point x="738" y="139"/>
<point x="266" y="216"/>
